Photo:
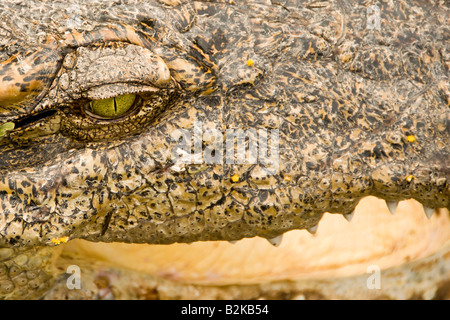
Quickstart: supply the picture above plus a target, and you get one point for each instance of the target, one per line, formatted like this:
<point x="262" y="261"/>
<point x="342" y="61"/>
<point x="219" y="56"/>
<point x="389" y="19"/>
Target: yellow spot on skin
<point x="287" y="178"/>
<point x="235" y="178"/>
<point x="250" y="62"/>
<point x="409" y="178"/>
<point x="58" y="241"/>
<point x="411" y="138"/>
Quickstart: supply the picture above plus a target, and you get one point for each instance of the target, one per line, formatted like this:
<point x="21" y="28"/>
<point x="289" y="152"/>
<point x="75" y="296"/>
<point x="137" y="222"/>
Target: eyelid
<point x="100" y="73"/>
<point x="135" y="64"/>
<point x="108" y="91"/>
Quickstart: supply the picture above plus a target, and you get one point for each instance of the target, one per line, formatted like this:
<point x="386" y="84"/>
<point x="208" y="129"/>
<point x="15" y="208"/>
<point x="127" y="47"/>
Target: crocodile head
<point x="170" y="121"/>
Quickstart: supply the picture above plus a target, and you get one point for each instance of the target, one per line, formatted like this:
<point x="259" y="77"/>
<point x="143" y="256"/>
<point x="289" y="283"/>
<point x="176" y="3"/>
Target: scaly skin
<point x="360" y="112"/>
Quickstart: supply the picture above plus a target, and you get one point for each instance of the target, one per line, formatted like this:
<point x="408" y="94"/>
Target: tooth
<point x="276" y="241"/>
<point x="232" y="241"/>
<point x="312" y="230"/>
<point x="392" y="206"/>
<point x="349" y="216"/>
<point x="428" y="211"/>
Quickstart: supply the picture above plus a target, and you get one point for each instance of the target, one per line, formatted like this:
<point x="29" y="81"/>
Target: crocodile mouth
<point x="338" y="261"/>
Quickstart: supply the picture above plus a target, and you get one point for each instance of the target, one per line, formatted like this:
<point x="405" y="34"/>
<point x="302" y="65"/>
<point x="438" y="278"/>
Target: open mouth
<point x="410" y="252"/>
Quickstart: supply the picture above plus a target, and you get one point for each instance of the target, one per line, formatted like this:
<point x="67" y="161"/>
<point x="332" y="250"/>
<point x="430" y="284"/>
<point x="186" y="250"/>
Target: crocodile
<point x="115" y="123"/>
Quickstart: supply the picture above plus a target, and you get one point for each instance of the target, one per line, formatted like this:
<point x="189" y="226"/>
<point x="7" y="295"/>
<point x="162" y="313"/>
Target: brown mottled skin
<point x="344" y="97"/>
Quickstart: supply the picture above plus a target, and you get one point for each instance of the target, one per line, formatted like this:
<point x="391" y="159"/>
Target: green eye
<point x="112" y="107"/>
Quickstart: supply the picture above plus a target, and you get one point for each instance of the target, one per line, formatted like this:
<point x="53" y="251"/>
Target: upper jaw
<point x="135" y="190"/>
<point x="91" y="194"/>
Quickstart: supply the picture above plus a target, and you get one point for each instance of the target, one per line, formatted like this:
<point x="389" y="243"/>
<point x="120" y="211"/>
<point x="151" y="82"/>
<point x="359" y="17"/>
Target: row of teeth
<point x="392" y="206"/>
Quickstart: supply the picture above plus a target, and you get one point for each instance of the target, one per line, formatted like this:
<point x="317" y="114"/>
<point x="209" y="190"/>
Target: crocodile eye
<point x="112" y="107"/>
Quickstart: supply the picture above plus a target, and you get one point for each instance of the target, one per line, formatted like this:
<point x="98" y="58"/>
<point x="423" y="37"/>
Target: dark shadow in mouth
<point x="24" y="122"/>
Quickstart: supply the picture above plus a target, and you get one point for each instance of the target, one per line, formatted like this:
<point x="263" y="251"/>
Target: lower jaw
<point x="377" y="255"/>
